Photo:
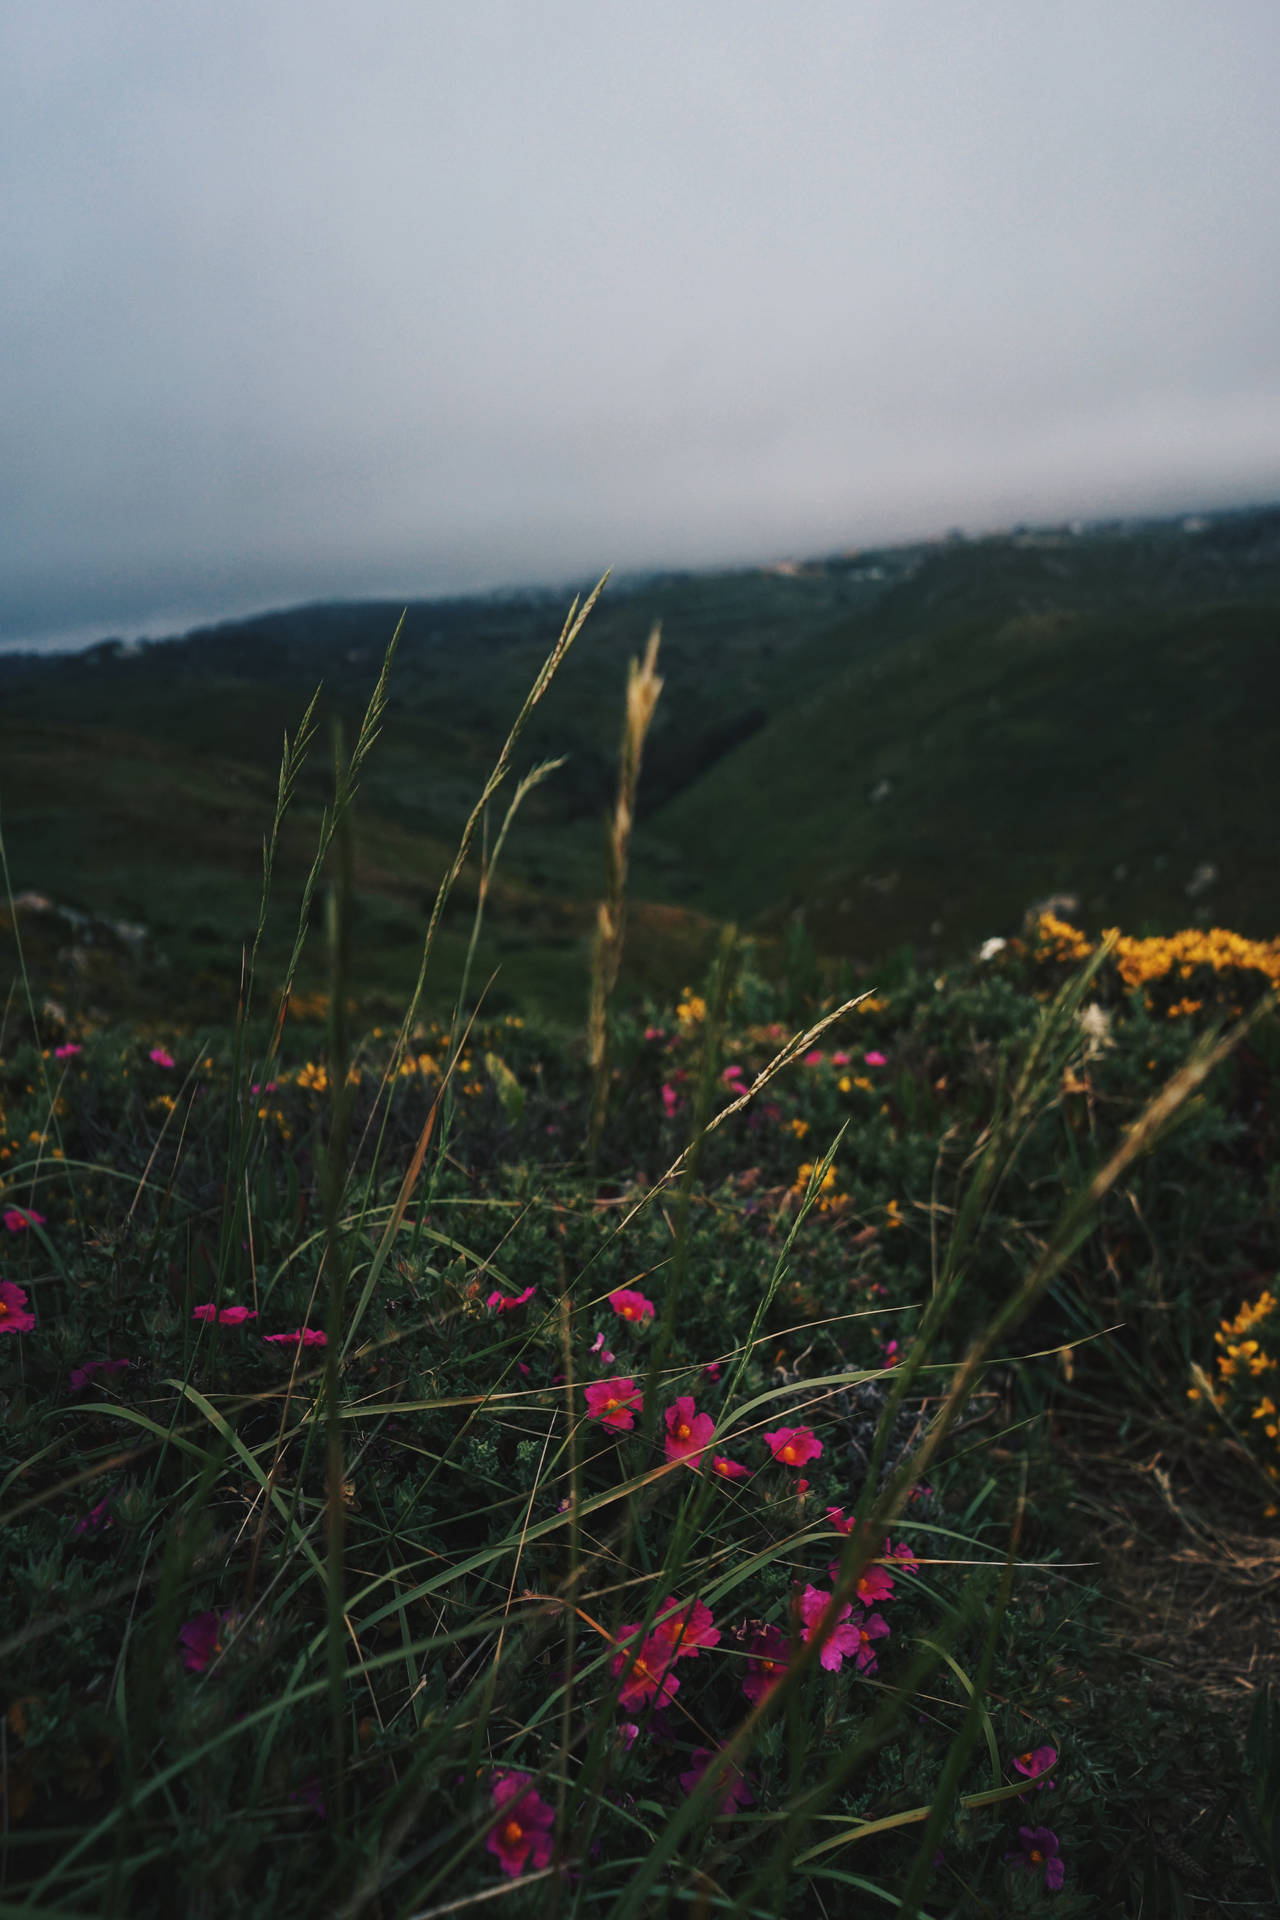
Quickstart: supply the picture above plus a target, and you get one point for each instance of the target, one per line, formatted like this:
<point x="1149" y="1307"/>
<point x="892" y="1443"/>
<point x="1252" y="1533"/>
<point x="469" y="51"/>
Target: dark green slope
<point x="1013" y="722"/>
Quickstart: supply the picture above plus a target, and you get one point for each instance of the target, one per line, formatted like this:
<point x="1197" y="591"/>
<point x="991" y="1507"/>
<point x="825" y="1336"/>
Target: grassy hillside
<point x="909" y="746"/>
<point x="1096" y="717"/>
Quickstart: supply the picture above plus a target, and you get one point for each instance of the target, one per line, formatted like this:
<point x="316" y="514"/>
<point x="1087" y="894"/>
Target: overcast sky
<point x="302" y="300"/>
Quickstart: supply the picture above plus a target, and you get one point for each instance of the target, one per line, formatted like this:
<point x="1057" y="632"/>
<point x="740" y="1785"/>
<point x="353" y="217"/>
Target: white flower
<point x="990" y="948"/>
<point x="1095" y="1023"/>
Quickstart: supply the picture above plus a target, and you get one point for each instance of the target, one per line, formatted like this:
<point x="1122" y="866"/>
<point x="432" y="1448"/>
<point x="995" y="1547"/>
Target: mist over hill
<point x="902" y="746"/>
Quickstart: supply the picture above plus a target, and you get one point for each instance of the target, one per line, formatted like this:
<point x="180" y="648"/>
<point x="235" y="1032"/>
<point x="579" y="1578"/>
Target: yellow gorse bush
<point x="1248" y="1346"/>
<point x="1170" y="959"/>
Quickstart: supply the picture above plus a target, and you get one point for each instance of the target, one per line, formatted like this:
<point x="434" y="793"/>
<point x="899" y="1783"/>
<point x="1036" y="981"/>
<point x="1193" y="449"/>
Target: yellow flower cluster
<point x="691" y="1012"/>
<point x="1243" y="1364"/>
<point x="1057" y="940"/>
<point x="829" y="1194"/>
<point x="1176" y="956"/>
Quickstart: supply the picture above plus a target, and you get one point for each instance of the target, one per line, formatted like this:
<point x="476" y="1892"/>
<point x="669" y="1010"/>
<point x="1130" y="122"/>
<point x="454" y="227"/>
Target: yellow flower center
<point x="512" y="1833"/>
<point x="682" y="1430"/>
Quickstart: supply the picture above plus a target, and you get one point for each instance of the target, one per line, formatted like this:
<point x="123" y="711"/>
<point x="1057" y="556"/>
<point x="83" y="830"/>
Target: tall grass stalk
<point x="643" y="689"/>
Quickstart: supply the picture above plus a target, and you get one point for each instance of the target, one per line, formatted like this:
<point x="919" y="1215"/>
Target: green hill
<point x="907" y="746"/>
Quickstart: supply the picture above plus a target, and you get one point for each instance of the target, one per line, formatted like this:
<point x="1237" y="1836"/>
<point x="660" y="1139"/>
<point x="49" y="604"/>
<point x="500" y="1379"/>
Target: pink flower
<point x="201" y="1638"/>
<point x="599" y="1348"/>
<point x="670" y="1101"/>
<point x="507" y="1303"/>
<point x="875" y="1059"/>
<point x="257" y="1087"/>
<point x="769" y="1658"/>
<point x="793" y="1446"/>
<point x="841" y="1059"/>
<point x="728" y="1469"/>
<point x="869" y="1627"/>
<point x="686" y="1627"/>
<point x="1039" y="1848"/>
<point x="732" y="1790"/>
<point x="814" y="1058"/>
<point x="18" y="1219"/>
<point x="837" y="1518"/>
<point x="889" y="1353"/>
<point x="874" y="1583"/>
<point x="302" y="1336"/>
<point x="655" y="1033"/>
<point x="903" y="1554"/>
<point x="688" y="1431"/>
<point x="68" y="1052"/>
<point x="841" y="1639"/>
<point x="14" y="1314"/>
<point x="522" y="1836"/>
<point x="712" y="1370"/>
<point x="159" y="1057"/>
<point x="630" y="1305"/>
<point x="81" y="1376"/>
<point x="733" y="1079"/>
<point x="226" y="1316"/>
<point x="1035" y="1761"/>
<point x="650" y="1673"/>
<point x="615" y="1403"/>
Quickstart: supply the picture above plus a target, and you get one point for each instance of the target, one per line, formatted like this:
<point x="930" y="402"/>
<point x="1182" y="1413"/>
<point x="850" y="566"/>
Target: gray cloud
<point x="305" y="300"/>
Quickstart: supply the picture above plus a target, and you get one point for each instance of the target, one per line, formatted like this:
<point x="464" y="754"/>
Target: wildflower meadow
<point x="807" y="1449"/>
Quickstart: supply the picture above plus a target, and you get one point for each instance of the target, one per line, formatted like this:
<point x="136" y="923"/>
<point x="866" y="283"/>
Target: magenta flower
<point x="507" y="1303"/>
<point x="18" y="1219"/>
<point x="869" y="1627"/>
<point x="875" y="1059"/>
<point x="732" y="1790"/>
<point x="630" y="1305"/>
<point x="201" y="1638"/>
<point x="160" y="1057"/>
<point x="793" y="1446"/>
<point x="1038" y="1847"/>
<point x="522" y="1836"/>
<point x="670" y="1101"/>
<point x="615" y="1403"/>
<point x="729" y="1469"/>
<point x="95" y="1520"/>
<point x="688" y="1431"/>
<point x="840" y="1058"/>
<point x="686" y="1627"/>
<point x="68" y="1052"/>
<point x="769" y="1656"/>
<point x="836" y="1516"/>
<point x="225" y="1316"/>
<point x="874" y="1584"/>
<point x="81" y="1376"/>
<point x="1037" y="1761"/>
<point x="841" y="1639"/>
<point x="300" y="1337"/>
<point x="650" y="1672"/>
<point x="813" y="1058"/>
<point x="14" y="1314"/>
<point x="602" y="1352"/>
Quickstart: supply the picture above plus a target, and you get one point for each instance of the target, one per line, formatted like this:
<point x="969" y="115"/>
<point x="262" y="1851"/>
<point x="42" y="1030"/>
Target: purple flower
<point x="201" y="1638"/>
<point x="81" y="1376"/>
<point x="1035" y="1762"/>
<point x="1038" y="1847"/>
